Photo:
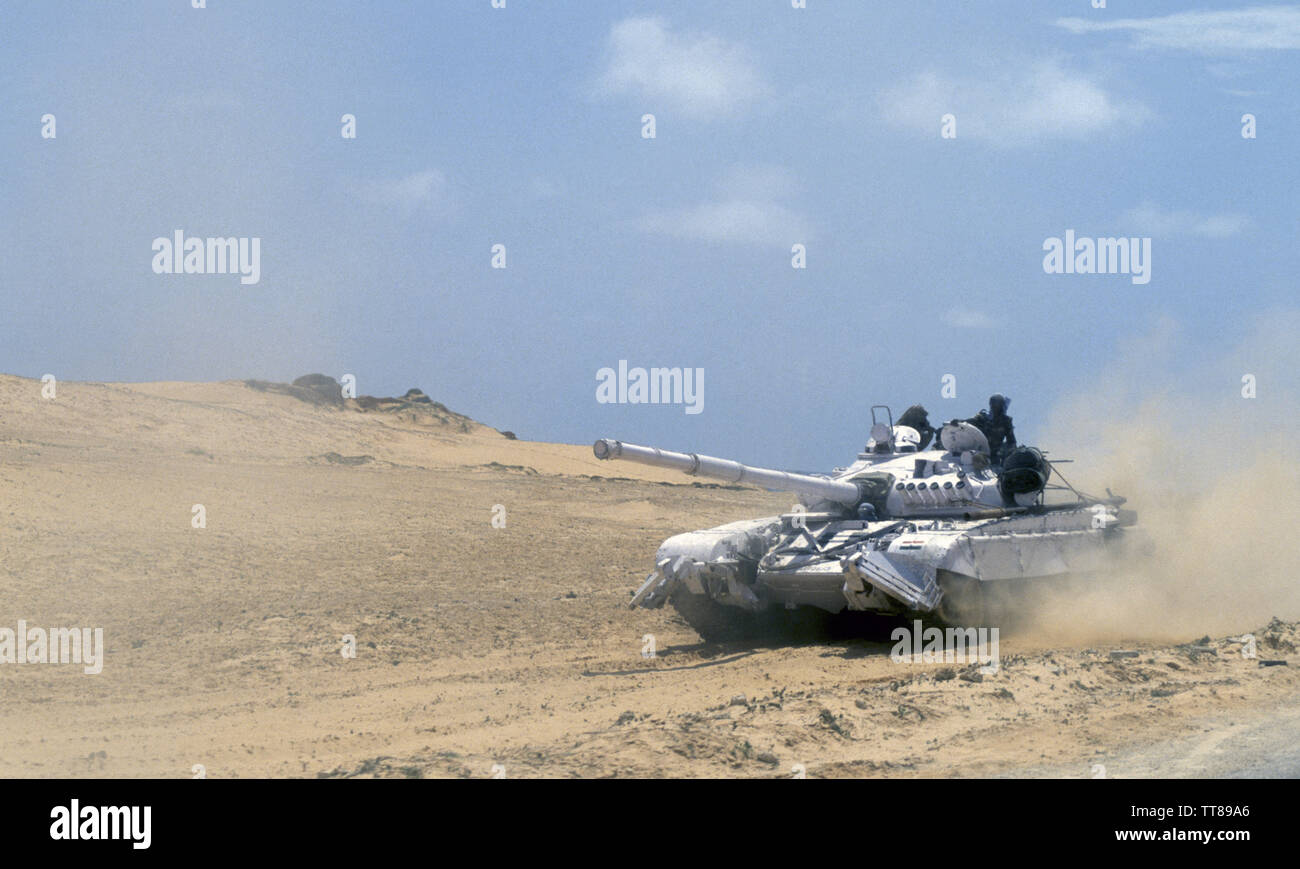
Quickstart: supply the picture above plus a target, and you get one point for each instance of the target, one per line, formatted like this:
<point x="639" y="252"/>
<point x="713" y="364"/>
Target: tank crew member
<point x="997" y="427"/>
<point x="916" y="417"/>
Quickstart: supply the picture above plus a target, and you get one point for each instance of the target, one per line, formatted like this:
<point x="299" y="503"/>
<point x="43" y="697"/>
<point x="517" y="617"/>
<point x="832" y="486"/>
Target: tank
<point x="942" y="533"/>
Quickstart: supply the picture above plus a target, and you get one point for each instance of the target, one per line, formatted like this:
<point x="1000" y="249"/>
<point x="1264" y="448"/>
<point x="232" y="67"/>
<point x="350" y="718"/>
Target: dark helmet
<point x="998" y="403"/>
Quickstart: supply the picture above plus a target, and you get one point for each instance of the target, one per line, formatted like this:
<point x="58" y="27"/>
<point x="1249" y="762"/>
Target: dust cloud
<point x="1211" y="475"/>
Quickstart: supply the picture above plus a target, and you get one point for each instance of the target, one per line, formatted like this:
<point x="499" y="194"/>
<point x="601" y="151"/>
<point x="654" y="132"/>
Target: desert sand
<point x="482" y="650"/>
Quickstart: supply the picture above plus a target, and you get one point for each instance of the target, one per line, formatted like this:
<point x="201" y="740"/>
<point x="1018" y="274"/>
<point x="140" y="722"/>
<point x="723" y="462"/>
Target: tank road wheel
<point x="716" y="623"/>
<point x="964" y="602"/>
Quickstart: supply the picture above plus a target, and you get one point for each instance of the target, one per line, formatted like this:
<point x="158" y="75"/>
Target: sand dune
<point x="231" y="423"/>
<point x="476" y="645"/>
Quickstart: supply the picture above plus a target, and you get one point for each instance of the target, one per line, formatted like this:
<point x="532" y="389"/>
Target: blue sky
<point x="522" y="126"/>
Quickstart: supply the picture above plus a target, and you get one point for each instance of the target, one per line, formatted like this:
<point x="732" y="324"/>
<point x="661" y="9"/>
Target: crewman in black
<point x="997" y="427"/>
<point x="916" y="417"/>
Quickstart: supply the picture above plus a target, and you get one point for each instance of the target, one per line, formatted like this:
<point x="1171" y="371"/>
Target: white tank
<point x="896" y="531"/>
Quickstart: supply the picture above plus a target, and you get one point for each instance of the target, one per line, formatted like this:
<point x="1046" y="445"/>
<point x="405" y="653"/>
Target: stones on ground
<point x="323" y="390"/>
<point x="497" y="466"/>
<point x="1275" y="641"/>
<point x="1123" y="653"/>
<point x="315" y="389"/>
<point x="905" y="709"/>
<point x="830" y="721"/>
<point x="336" y="459"/>
<point x="320" y="389"/>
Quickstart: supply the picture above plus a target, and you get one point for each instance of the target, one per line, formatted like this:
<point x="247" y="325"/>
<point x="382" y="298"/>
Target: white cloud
<point x="1009" y="105"/>
<point x="736" y="220"/>
<point x="1150" y="219"/>
<point x="411" y="191"/>
<point x="964" y="318"/>
<point x="699" y="74"/>
<point x="1258" y="28"/>
<point x="746" y="209"/>
<point x="757" y="181"/>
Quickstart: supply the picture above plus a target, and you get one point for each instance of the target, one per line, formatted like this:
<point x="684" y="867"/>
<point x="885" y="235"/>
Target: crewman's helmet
<point x="998" y="403"/>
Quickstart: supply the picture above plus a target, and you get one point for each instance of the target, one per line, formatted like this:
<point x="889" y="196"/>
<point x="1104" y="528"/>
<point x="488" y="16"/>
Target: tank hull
<point x="887" y="567"/>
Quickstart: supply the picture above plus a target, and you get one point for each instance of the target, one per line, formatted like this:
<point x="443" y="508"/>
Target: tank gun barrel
<point x="730" y="471"/>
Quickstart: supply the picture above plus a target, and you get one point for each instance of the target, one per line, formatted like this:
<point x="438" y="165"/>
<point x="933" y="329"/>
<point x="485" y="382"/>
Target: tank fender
<point x="748" y="539"/>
